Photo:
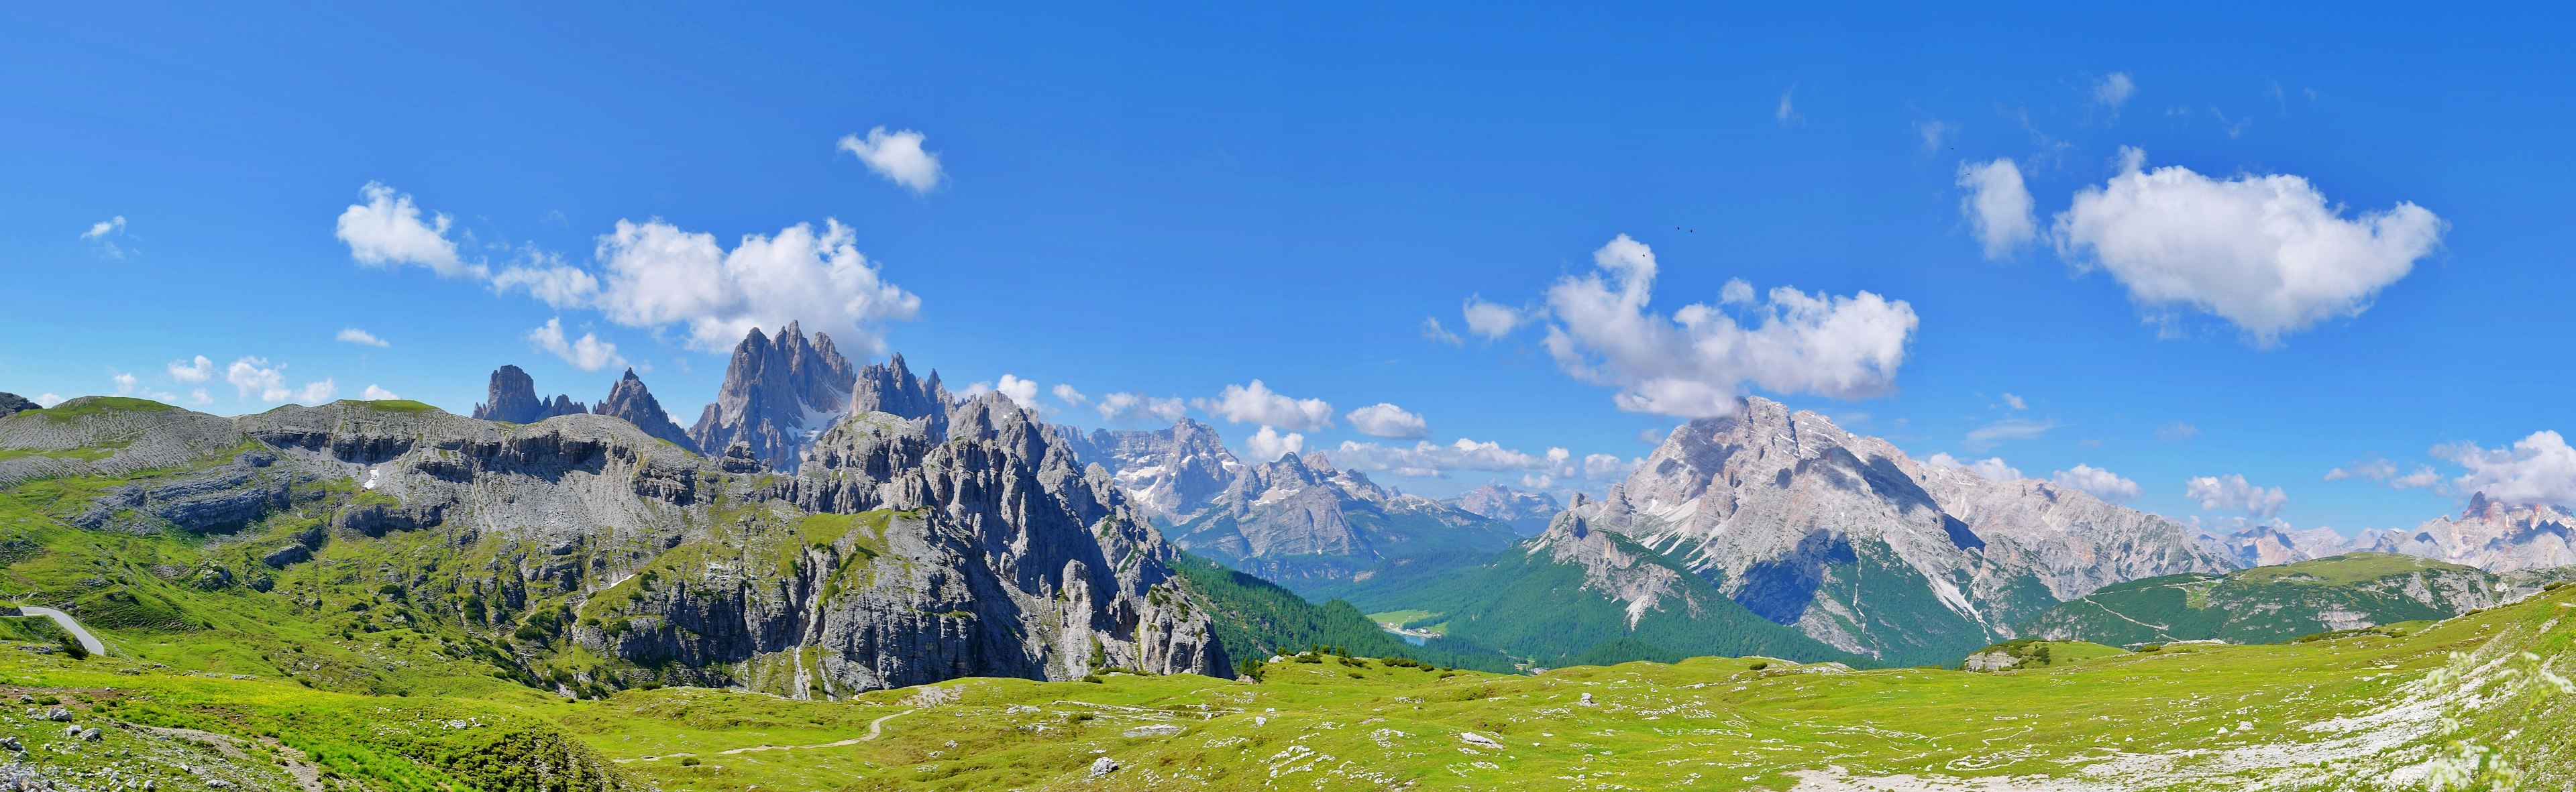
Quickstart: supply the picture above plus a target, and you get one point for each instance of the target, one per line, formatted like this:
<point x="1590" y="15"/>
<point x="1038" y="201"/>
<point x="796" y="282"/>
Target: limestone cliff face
<point x="902" y="556"/>
<point x="1170" y="473"/>
<point x="514" y="399"/>
<point x="1852" y="542"/>
<point x="779" y="393"/>
<point x="2490" y="535"/>
<point x="630" y="401"/>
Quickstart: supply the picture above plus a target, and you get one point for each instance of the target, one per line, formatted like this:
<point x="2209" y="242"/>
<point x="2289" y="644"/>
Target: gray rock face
<point x="1859" y="546"/>
<point x="779" y="393"/>
<point x="514" y="399"/>
<point x="630" y="401"/>
<point x="2265" y="545"/>
<point x="891" y="388"/>
<point x="13" y="404"/>
<point x="1169" y="473"/>
<point x="1527" y="513"/>
<point x="2488" y="535"/>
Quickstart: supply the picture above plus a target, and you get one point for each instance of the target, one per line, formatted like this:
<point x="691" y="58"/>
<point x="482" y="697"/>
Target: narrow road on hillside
<point x="875" y="727"/>
<point x="88" y="641"/>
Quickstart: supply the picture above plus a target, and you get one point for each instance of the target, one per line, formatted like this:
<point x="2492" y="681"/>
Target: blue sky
<point x="1168" y="200"/>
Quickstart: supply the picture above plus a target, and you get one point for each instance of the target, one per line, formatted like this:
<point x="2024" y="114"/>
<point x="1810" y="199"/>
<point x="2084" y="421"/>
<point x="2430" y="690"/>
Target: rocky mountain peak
<point x="891" y="388"/>
<point x="1168" y="473"/>
<point x="13" y="404"/>
<point x="629" y="400"/>
<point x="779" y="392"/>
<point x="514" y="399"/>
<point x="2490" y="534"/>
<point x="1526" y="512"/>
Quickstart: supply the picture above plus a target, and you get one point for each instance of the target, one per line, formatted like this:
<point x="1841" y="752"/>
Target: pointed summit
<point x="891" y="388"/>
<point x="514" y="399"/>
<point x="779" y="392"/>
<point x="629" y="400"/>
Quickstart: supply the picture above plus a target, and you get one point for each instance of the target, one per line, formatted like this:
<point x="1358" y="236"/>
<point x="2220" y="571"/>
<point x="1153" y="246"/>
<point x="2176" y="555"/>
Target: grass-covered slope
<point x="2476" y="702"/>
<point x="1256" y="619"/>
<point x="1535" y="607"/>
<point x="2270" y="604"/>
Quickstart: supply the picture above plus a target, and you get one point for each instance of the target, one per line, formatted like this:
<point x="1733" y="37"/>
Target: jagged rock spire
<point x="779" y="391"/>
<point x="514" y="399"/>
<point x="629" y="400"/>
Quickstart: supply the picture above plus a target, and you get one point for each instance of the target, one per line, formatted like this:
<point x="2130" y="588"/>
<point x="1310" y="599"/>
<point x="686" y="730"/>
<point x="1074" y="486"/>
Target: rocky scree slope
<point x="582" y="554"/>
<point x="1858" y="546"/>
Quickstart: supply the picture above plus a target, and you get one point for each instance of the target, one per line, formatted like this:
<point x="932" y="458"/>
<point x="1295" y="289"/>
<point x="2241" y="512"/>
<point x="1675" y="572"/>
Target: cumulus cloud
<point x="1989" y="468"/>
<point x="2100" y="483"/>
<point x="1993" y="434"/>
<point x="2537" y="469"/>
<point x="1432" y="329"/>
<point x="1389" y="421"/>
<point x="1491" y="320"/>
<point x="199" y="396"/>
<point x="1268" y="445"/>
<point x="47" y="400"/>
<point x="104" y="233"/>
<point x="1065" y="392"/>
<point x="125" y="383"/>
<point x="1997" y="206"/>
<point x="2266" y="253"/>
<point x="2114" y="90"/>
<point x="654" y="274"/>
<point x="198" y="370"/>
<point x="2232" y="493"/>
<point x="255" y="377"/>
<point x="387" y="231"/>
<point x="1604" y="467"/>
<point x="587" y="353"/>
<point x="1257" y="404"/>
<point x="378" y="393"/>
<point x="1131" y="407"/>
<point x="898" y="156"/>
<point x="1695" y="363"/>
<point x="317" y="392"/>
<point x="1021" y="392"/>
<point x="356" y="336"/>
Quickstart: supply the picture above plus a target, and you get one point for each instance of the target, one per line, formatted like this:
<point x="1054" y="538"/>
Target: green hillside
<point x="1534" y="608"/>
<point x="1256" y="619"/>
<point x="2270" y="604"/>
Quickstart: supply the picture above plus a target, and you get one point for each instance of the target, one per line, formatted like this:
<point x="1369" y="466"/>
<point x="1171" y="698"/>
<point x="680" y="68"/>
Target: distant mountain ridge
<point x="1528" y="513"/>
<point x="2488" y="534"/>
<point x="2270" y="604"/>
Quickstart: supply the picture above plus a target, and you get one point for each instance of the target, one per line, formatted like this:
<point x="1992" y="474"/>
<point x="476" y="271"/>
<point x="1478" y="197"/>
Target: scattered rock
<point x="1103" y="766"/>
<point x="1155" y="730"/>
<point x="90" y="734"/>
<point x="1587" y="700"/>
<point x="1479" y="740"/>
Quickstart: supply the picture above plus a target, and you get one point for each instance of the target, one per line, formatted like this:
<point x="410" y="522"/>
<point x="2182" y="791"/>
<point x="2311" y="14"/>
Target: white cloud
<point x="1989" y="435"/>
<point x="1021" y="392"/>
<point x="1268" y="445"/>
<point x="2101" y="483"/>
<point x="1997" y="206"/>
<point x="654" y="274"/>
<point x="387" y="231"/>
<point x="2367" y="469"/>
<point x="1426" y="459"/>
<point x="199" y="370"/>
<point x="1787" y="113"/>
<point x="1989" y="468"/>
<point x="47" y="400"/>
<point x="125" y="383"/>
<point x="2540" y="468"/>
<point x="1933" y="133"/>
<point x="104" y="233"/>
<point x="2424" y="477"/>
<point x="897" y="156"/>
<point x="1257" y="404"/>
<point x="2114" y="90"/>
<point x="1065" y="392"/>
<point x="2267" y="253"/>
<point x="1694" y="364"/>
<point x="1491" y="320"/>
<point x="2233" y="494"/>
<point x="200" y="397"/>
<point x="1389" y="421"/>
<point x="1604" y="467"/>
<point x="1128" y="407"/>
<point x="254" y="377"/>
<point x="377" y="393"/>
<point x="555" y="284"/>
<point x="587" y="353"/>
<point x="2015" y="402"/>
<point x="356" y="336"/>
<point x="1432" y="329"/>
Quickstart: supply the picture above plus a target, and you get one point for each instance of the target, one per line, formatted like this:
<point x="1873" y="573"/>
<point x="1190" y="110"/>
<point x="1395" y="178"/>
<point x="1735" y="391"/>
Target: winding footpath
<point x="88" y="641"/>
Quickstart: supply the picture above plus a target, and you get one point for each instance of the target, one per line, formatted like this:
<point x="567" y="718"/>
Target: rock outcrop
<point x="514" y="399"/>
<point x="779" y="393"/>
<point x="1859" y="546"/>
<point x="630" y="401"/>
<point x="1527" y="513"/>
<point x="13" y="404"/>
<point x="891" y="388"/>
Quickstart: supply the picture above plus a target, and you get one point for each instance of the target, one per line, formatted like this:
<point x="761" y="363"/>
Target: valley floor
<point x="2480" y="701"/>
